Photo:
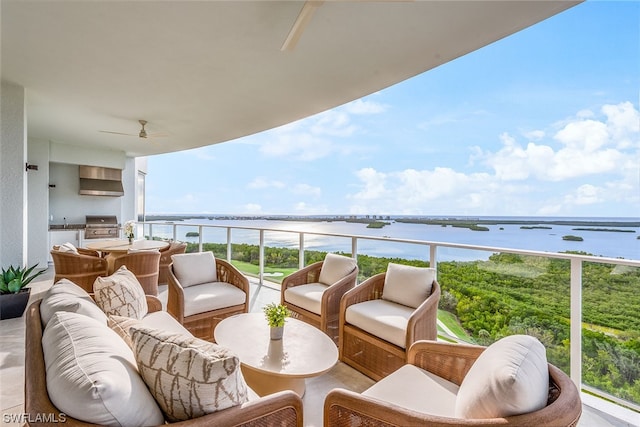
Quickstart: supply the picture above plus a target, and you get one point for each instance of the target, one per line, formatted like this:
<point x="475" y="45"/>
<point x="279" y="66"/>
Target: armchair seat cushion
<point x="414" y="388"/>
<point x="384" y="319"/>
<point x="307" y="296"/>
<point x="211" y="296"/>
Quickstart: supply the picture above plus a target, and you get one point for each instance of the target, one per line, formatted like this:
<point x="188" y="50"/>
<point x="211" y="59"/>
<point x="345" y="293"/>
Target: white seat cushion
<point x="92" y="374"/>
<point x="194" y="268"/>
<point x="158" y="319"/>
<point x="335" y="267"/>
<point x="407" y="285"/>
<point x="307" y="296"/>
<point x="510" y="377"/>
<point x="65" y="295"/>
<point x="384" y="319"/>
<point x="416" y="389"/>
<point x="211" y="296"/>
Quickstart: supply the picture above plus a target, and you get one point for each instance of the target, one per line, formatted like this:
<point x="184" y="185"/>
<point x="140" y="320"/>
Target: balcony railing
<point x="432" y="254"/>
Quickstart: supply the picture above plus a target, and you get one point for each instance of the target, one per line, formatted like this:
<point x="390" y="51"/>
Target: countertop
<point x="63" y="227"/>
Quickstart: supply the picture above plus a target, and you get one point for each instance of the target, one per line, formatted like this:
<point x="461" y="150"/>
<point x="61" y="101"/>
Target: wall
<point x="38" y="203"/>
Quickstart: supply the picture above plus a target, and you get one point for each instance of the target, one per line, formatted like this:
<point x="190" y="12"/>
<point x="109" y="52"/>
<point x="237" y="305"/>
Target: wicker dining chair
<point x="165" y="260"/>
<point x="313" y="293"/>
<point x="82" y="268"/>
<point x="362" y="346"/>
<point x="389" y="406"/>
<point x="204" y="290"/>
<point x="145" y="265"/>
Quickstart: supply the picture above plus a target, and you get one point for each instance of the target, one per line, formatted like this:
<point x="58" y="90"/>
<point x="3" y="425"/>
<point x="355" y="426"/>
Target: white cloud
<point x="365" y="107"/>
<point x="307" y="190"/>
<point x="252" y="208"/>
<point x="260" y="183"/>
<point x="535" y="135"/>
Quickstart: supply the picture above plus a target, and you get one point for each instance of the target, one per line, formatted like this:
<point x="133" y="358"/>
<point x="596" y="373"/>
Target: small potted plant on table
<point x="276" y="315"/>
<point x="14" y="296"/>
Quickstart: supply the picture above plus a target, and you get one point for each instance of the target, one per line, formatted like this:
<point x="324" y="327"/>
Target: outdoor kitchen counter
<point x="55" y="227"/>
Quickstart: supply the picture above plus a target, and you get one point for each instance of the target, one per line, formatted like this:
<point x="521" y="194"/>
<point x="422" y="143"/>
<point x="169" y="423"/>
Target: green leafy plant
<point x="13" y="279"/>
<point x="276" y="314"/>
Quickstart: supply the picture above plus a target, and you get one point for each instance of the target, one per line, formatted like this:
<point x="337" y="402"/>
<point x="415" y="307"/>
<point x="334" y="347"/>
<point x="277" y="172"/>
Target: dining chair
<point x="145" y="265"/>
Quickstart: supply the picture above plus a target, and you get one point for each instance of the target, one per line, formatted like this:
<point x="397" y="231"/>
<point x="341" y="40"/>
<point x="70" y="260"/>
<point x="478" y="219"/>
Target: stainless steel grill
<point x="101" y="227"/>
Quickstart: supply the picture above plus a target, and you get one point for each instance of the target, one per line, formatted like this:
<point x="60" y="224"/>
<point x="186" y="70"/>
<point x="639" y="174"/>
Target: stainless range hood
<point x="98" y="181"/>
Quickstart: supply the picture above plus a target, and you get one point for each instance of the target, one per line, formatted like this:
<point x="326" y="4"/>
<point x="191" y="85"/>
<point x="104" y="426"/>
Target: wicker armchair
<point x="374" y="356"/>
<point x="451" y="362"/>
<point x="302" y="290"/>
<point x="81" y="269"/>
<point x="144" y="265"/>
<point x="279" y="409"/>
<point x="202" y="305"/>
<point x="165" y="260"/>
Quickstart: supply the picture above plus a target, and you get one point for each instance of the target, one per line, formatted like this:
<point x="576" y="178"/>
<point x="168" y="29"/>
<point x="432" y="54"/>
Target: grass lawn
<point x="272" y="274"/>
<point x="451" y="321"/>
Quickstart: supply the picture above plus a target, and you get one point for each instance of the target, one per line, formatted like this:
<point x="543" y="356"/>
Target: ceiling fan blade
<point x="119" y="133"/>
<point x="303" y="19"/>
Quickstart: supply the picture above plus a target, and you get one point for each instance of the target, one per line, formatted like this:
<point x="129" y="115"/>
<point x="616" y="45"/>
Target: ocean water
<point x="511" y="236"/>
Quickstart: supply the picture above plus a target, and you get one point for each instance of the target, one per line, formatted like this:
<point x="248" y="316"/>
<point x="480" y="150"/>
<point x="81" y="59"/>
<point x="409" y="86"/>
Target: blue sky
<point x="543" y="123"/>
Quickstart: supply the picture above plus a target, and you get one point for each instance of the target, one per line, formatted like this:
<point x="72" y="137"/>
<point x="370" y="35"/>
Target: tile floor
<point x="12" y="371"/>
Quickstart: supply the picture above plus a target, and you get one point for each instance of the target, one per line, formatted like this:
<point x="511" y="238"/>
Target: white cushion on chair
<point x="194" y="268"/>
<point x="408" y="285"/>
<point x="510" y="377"/>
<point x="335" y="267"/>
<point x="211" y="296"/>
<point x="307" y="296"/>
<point x="384" y="319"/>
<point x="416" y="389"/>
<point x="65" y="295"/>
<point x="68" y="247"/>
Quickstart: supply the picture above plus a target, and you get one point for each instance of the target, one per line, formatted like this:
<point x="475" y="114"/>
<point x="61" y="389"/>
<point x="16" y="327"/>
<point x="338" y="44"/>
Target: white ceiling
<point x="205" y="72"/>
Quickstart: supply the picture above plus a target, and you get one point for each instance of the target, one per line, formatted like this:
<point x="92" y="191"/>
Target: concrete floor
<point x="596" y="412"/>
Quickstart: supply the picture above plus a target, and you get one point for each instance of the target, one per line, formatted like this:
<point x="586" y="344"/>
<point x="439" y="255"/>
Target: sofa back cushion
<point x="194" y="268"/>
<point x="510" y="377"/>
<point x="188" y="377"/>
<point x="65" y="295"/>
<point x="92" y="374"/>
<point x="121" y="294"/>
<point x="334" y="268"/>
<point x="408" y="285"/>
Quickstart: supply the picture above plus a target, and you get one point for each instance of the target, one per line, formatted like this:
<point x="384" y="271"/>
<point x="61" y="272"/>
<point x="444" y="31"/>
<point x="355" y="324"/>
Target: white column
<point x="13" y="177"/>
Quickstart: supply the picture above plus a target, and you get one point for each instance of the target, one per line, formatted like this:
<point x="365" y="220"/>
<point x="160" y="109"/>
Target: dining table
<point x="112" y="248"/>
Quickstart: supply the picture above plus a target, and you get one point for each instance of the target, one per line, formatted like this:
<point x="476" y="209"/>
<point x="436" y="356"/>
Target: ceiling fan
<point x="142" y="134"/>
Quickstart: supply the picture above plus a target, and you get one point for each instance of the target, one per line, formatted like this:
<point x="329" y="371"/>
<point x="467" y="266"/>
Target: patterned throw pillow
<point x="121" y="294"/>
<point x="121" y="326"/>
<point x="188" y="377"/>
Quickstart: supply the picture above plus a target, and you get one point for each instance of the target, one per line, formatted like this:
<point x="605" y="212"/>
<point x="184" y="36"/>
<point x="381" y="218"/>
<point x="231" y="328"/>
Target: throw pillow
<point x="68" y="247"/>
<point x="92" y="374"/>
<point x="188" y="377"/>
<point x="194" y="268"/>
<point x="334" y="268"/>
<point x="121" y="294"/>
<point x="408" y="285"/>
<point x="511" y="377"/>
<point x="65" y="295"/>
<point x="121" y="325"/>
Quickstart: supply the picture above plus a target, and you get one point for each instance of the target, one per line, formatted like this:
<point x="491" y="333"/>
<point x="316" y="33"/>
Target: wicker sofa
<point x="283" y="408"/>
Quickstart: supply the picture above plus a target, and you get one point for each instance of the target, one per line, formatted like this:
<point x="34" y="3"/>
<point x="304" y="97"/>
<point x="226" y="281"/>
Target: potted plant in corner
<point x="276" y="315"/>
<point x="14" y="296"/>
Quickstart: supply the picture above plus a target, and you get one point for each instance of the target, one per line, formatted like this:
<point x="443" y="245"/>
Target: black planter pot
<point x="13" y="305"/>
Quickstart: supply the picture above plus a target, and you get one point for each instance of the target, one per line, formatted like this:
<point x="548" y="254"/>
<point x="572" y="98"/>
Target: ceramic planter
<point x="276" y="332"/>
<point x="13" y="305"/>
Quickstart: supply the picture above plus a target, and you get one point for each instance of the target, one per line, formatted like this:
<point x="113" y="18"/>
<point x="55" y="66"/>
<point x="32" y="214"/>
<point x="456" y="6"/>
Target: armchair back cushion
<point x="408" y="285"/>
<point x="92" y="375"/>
<point x="510" y="377"/>
<point x="188" y="377"/>
<point x="334" y="268"/>
<point x="194" y="268"/>
<point x="68" y="247"/>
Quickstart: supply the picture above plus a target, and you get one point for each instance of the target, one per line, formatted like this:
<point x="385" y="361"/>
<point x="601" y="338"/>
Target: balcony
<point x="599" y="408"/>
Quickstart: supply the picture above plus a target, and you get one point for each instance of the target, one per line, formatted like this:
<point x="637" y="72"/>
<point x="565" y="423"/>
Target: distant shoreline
<point x="451" y="221"/>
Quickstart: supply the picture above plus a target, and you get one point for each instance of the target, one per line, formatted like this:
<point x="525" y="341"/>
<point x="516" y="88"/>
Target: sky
<point x="545" y="122"/>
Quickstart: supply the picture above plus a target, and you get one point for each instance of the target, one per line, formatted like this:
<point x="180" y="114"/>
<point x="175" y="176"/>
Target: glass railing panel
<point x="158" y="231"/>
<point x="281" y="255"/>
<point x="611" y="330"/>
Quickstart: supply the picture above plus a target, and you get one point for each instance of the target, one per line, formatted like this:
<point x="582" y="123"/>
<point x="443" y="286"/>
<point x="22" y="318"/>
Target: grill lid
<point x="101" y="221"/>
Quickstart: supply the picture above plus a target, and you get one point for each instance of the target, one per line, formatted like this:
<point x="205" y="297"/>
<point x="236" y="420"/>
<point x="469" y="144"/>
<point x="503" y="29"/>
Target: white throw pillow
<point x="194" y="268"/>
<point x="68" y="247"/>
<point x="188" y="377"/>
<point x="92" y="374"/>
<point x="65" y="295"/>
<point x="511" y="377"/>
<point x="121" y="294"/>
<point x="334" y="268"/>
<point x="408" y="285"/>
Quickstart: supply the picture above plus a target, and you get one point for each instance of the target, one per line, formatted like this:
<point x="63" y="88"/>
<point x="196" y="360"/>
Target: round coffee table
<point x="269" y="365"/>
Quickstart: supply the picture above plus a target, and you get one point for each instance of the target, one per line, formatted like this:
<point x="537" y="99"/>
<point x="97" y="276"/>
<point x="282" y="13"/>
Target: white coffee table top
<point x="303" y="351"/>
